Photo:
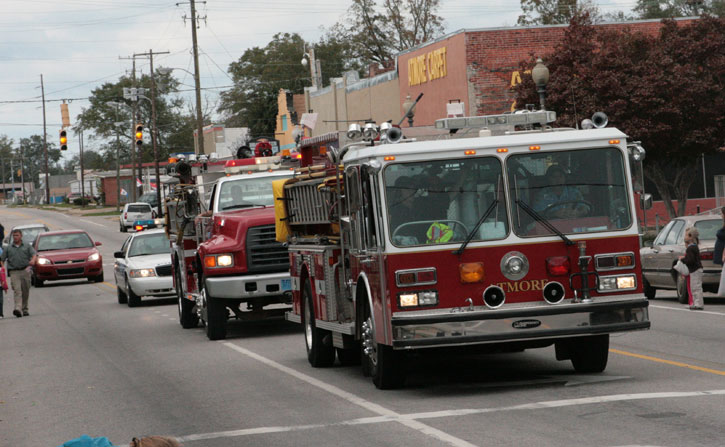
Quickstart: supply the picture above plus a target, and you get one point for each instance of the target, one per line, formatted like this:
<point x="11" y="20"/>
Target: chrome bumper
<point x="442" y="327"/>
<point x="249" y="286"/>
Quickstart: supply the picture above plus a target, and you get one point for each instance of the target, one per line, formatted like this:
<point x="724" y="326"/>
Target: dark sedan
<point x="68" y="254"/>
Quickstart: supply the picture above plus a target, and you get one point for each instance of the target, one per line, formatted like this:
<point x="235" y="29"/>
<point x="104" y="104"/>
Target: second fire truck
<point x="519" y="237"/>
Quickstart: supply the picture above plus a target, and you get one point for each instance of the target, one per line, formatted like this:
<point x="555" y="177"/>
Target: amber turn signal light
<point x="471" y="272"/>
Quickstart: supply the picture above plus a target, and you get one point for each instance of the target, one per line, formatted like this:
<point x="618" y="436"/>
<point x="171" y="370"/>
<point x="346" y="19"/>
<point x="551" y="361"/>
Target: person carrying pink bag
<point x="3" y="287"/>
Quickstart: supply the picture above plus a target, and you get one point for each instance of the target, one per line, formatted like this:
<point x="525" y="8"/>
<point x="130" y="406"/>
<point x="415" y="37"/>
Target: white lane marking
<point x="172" y="319"/>
<point x="694" y="312"/>
<point x="356" y="400"/>
<point x="403" y="418"/>
<point x="164" y="315"/>
<point x="94" y="223"/>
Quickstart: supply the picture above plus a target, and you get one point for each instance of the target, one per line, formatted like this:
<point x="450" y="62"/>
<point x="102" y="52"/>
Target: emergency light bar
<point x="252" y="164"/>
<point x="505" y="121"/>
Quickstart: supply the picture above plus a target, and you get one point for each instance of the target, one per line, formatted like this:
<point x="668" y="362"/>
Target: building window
<point x="284" y="123"/>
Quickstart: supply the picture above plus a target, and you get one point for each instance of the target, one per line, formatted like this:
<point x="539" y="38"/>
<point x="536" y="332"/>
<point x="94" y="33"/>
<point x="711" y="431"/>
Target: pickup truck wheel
<point x="216" y="318"/>
<point x="187" y="314"/>
<point x="319" y="353"/>
<point x="133" y="299"/>
<point x="649" y="291"/>
<point x="121" y="295"/>
<point x="589" y="354"/>
<point x="682" y="296"/>
<point x="383" y="363"/>
<point x="124" y="229"/>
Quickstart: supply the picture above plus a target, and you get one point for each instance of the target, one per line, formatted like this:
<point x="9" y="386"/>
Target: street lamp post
<point x="540" y="75"/>
<point x="153" y="137"/>
<point x="408" y="106"/>
<point x="315" y="69"/>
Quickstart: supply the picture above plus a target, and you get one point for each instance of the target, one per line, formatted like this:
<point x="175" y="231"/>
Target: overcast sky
<point x="77" y="45"/>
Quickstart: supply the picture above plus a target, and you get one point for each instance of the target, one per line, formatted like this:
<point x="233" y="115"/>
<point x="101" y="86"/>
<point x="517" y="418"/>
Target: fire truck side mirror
<point x="645" y="201"/>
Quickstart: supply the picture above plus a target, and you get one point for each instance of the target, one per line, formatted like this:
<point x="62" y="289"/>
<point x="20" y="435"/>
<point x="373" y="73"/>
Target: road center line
<point x="94" y="223"/>
<point x="356" y="400"/>
<point x="668" y="362"/>
<point x="680" y="309"/>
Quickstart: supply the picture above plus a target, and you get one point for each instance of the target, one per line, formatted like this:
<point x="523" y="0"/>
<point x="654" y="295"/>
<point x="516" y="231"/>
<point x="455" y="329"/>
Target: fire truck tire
<point x="649" y="291"/>
<point x="349" y="357"/>
<point x="589" y="354"/>
<point x="380" y="361"/>
<point x="122" y="298"/>
<point x="216" y="318"/>
<point x="318" y="342"/>
<point x="682" y="296"/>
<point x="188" y="317"/>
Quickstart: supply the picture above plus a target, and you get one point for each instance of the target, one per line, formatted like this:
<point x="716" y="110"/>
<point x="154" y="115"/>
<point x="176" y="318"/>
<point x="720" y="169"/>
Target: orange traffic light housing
<point x="139" y="134"/>
<point x="63" y="140"/>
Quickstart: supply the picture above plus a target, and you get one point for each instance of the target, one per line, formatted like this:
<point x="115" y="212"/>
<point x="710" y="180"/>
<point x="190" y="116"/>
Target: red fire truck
<point x="224" y="253"/>
<point x="501" y="233"/>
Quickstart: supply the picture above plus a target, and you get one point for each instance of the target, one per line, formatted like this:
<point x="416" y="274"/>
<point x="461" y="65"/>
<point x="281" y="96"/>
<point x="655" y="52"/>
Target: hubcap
<point x="308" y="326"/>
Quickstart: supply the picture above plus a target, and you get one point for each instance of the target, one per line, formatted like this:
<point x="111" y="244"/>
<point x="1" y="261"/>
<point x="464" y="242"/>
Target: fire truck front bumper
<point x="250" y="286"/>
<point x="464" y="326"/>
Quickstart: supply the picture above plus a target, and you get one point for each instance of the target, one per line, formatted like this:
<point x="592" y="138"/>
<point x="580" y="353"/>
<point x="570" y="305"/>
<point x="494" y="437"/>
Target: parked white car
<point x="143" y="267"/>
<point x="133" y="212"/>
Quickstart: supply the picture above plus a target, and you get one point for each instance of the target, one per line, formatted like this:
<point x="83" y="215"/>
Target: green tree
<point x="555" y="12"/>
<point x="662" y="9"/>
<point x="666" y="90"/>
<point x="377" y="33"/>
<point x="31" y="156"/>
<point x="175" y="125"/>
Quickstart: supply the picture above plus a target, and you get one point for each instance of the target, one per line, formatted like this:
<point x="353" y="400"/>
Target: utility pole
<point x="45" y="144"/>
<point x="22" y="173"/>
<point x="83" y="180"/>
<point x="133" y="144"/>
<point x="150" y="55"/>
<point x="197" y="82"/>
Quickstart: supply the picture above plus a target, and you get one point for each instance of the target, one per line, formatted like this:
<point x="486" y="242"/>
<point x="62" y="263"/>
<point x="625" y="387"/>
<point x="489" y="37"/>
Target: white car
<point x="133" y="212"/>
<point x="143" y="268"/>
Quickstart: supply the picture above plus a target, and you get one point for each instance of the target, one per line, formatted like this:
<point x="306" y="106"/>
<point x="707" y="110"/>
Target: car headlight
<point x="142" y="273"/>
<point x="94" y="257"/>
<point x="43" y="261"/>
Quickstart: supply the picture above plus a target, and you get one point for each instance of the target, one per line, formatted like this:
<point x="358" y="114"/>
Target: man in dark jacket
<point x="18" y="258"/>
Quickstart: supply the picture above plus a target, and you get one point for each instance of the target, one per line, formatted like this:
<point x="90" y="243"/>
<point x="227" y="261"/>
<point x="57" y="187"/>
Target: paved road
<point x="82" y="363"/>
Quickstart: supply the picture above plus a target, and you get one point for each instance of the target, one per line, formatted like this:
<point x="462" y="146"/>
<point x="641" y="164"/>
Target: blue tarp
<point x="87" y="441"/>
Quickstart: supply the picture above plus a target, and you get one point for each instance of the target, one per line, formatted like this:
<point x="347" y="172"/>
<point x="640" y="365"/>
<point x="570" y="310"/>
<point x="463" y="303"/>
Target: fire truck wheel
<point x="380" y="361"/>
<point x="589" y="354"/>
<point x="216" y="318"/>
<point x="133" y="299"/>
<point x="682" y="296"/>
<point x="188" y="317"/>
<point x="649" y="291"/>
<point x="319" y="353"/>
<point x="122" y="298"/>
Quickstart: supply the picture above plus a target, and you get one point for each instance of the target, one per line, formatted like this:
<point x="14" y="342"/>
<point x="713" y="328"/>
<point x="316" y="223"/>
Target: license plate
<point x="286" y="285"/>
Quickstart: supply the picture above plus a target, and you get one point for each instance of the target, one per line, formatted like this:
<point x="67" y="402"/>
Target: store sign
<point x="427" y="67"/>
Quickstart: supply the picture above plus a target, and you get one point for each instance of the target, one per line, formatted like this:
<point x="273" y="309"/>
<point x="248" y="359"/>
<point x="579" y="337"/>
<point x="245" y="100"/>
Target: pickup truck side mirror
<point x="118" y="254"/>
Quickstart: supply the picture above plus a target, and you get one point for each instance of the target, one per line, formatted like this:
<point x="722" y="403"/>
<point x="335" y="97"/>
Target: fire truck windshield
<point x="247" y="192"/>
<point x="441" y="201"/>
<point x="578" y="191"/>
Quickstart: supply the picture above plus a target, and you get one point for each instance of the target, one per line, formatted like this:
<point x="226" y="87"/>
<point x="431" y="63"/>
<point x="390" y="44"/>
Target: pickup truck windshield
<point x="247" y="192"/>
<point x="442" y="201"/>
<point x="582" y="191"/>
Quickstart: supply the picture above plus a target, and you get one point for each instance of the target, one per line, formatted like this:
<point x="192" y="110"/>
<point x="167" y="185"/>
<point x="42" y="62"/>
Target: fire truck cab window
<point x="360" y="205"/>
<point x="582" y="191"/>
<point x="442" y="201"/>
<point x="246" y="193"/>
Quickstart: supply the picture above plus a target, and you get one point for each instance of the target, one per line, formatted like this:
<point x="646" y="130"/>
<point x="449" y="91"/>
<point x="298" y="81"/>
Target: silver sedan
<point x="143" y="268"/>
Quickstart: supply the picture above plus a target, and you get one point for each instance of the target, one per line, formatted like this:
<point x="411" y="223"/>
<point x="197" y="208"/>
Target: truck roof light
<point x="389" y="158"/>
<point x="613" y="141"/>
<point x="469" y="152"/>
<point x="505" y="121"/>
<point x="502" y="149"/>
<point x="534" y="148"/>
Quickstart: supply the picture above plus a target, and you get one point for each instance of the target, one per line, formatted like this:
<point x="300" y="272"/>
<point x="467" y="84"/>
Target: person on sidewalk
<point x="690" y="267"/>
<point x="18" y="258"/>
<point x="718" y="256"/>
<point x="3" y="286"/>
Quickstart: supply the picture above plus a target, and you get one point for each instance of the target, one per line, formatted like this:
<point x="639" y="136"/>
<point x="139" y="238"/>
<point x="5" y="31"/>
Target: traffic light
<point x="63" y="140"/>
<point x="139" y="134"/>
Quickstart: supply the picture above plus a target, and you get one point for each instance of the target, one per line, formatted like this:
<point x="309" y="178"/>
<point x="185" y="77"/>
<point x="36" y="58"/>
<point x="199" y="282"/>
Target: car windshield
<point x="29" y="234"/>
<point x="64" y="241"/>
<point x="582" y="191"/>
<point x="247" y="192"/>
<point x="150" y="244"/>
<point x="443" y="201"/>
<point x="139" y="209"/>
<point x="708" y="228"/>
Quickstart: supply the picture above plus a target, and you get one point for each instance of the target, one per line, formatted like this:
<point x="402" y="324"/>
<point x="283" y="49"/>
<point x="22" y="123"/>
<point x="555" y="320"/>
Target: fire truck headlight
<point x="225" y="260"/>
<point x="626" y="282"/>
<point x="514" y="265"/>
<point x="416" y="299"/>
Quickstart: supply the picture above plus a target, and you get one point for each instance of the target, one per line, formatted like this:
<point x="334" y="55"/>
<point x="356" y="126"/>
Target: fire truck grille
<point x="264" y="253"/>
